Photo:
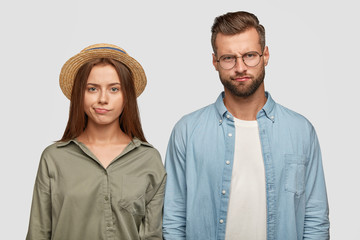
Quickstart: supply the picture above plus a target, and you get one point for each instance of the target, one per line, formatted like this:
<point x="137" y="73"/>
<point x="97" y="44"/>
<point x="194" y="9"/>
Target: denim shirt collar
<point x="220" y="106"/>
<point x="266" y="111"/>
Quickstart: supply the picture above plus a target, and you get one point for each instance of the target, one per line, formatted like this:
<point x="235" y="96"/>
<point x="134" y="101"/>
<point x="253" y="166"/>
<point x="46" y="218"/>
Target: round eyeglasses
<point x="250" y="59"/>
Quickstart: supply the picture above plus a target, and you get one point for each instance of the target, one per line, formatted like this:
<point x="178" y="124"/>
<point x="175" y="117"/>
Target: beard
<point x="241" y="89"/>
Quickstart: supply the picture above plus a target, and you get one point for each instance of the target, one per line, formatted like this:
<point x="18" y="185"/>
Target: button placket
<point x="228" y="129"/>
<point x="107" y="205"/>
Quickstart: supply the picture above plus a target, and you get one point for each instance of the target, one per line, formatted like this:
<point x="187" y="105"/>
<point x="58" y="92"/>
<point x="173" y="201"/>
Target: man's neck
<point x="245" y="108"/>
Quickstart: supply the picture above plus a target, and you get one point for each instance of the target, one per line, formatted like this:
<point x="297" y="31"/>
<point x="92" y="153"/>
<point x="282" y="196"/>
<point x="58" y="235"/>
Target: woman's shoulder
<point x="56" y="149"/>
<point x="51" y="148"/>
<point x="149" y="152"/>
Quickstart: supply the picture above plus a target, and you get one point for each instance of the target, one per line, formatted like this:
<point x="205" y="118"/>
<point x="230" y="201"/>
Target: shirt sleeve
<point x="153" y="217"/>
<point x="174" y="224"/>
<point x="40" y="216"/>
<point x="316" y="225"/>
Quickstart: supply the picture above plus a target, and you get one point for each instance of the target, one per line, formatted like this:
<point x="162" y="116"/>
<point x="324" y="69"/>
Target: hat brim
<point x="71" y="67"/>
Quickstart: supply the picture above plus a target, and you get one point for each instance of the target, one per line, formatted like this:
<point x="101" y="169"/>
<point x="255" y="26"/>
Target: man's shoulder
<point x="197" y="117"/>
<point x="292" y="117"/>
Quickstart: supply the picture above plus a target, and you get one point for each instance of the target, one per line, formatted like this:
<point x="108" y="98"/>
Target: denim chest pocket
<point x="133" y="195"/>
<point x="295" y="169"/>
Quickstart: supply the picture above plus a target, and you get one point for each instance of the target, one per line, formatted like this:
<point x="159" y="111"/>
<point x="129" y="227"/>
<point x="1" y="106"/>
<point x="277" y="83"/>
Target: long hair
<point x="129" y="119"/>
<point x="236" y="22"/>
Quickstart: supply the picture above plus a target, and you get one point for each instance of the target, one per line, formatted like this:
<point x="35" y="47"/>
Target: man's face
<point x="241" y="80"/>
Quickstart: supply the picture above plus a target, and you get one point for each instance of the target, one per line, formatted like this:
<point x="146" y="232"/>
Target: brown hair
<point x="236" y="22"/>
<point x="129" y="118"/>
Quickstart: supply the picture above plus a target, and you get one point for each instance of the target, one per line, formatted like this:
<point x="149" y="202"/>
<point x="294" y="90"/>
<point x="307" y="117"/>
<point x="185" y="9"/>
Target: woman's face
<point x="103" y="100"/>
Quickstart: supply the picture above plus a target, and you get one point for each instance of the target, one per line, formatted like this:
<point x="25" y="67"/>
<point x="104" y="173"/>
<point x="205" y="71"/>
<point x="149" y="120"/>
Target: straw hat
<point x="102" y="50"/>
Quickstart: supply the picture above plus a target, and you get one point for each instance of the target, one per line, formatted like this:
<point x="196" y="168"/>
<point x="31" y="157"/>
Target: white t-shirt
<point x="246" y="218"/>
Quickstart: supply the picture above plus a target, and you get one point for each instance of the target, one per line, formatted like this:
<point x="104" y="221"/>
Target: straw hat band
<point x="111" y="48"/>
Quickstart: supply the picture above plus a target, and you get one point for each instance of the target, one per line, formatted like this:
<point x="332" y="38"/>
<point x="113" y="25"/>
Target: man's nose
<point x="240" y="66"/>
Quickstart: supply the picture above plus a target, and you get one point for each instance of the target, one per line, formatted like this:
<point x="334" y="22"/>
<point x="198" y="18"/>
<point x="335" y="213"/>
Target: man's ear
<point x="215" y="63"/>
<point x="266" y="55"/>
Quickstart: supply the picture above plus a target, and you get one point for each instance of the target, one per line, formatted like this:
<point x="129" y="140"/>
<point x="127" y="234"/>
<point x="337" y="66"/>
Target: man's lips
<point x="242" y="79"/>
<point x="101" y="110"/>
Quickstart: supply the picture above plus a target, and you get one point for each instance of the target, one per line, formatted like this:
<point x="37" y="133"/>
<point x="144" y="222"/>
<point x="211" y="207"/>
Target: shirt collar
<point x="268" y="108"/>
<point x="266" y="111"/>
<point x="63" y="144"/>
<point x="220" y="106"/>
<point x="135" y="142"/>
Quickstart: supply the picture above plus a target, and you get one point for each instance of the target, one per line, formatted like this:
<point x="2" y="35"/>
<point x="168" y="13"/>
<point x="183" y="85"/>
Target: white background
<point x="313" y="69"/>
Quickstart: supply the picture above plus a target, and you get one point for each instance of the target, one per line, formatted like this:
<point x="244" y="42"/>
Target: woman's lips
<point x="101" y="110"/>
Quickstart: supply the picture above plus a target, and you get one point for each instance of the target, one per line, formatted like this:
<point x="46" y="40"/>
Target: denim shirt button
<point x="230" y="134"/>
<point x="227" y="162"/>
<point x="227" y="116"/>
<point x="221" y="221"/>
<point x="223" y="192"/>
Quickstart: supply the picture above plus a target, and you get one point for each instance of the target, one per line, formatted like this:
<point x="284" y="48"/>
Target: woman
<point x="102" y="180"/>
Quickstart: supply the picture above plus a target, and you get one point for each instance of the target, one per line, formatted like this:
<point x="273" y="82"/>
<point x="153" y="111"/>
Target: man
<point x="244" y="167"/>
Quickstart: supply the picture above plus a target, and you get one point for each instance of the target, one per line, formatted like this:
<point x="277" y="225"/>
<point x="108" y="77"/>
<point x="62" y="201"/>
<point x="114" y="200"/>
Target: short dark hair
<point x="236" y="22"/>
<point x="129" y="118"/>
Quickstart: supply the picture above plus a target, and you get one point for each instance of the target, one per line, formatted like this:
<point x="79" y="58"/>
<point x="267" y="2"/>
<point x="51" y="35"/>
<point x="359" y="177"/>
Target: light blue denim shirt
<point x="199" y="164"/>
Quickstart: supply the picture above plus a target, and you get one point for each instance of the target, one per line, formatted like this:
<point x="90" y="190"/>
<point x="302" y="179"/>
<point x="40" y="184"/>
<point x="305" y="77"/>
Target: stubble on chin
<point x="242" y="89"/>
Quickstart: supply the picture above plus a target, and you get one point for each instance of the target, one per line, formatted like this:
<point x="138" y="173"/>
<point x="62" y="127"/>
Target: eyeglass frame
<point x="242" y="57"/>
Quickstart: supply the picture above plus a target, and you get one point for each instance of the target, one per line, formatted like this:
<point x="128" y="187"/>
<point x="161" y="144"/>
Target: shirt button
<point x="228" y="116"/>
<point x="221" y="221"/>
<point x="230" y="134"/>
<point x="227" y="162"/>
<point x="106" y="198"/>
<point x="272" y="117"/>
<point x="220" y="120"/>
<point x="223" y="192"/>
<point x="108" y="225"/>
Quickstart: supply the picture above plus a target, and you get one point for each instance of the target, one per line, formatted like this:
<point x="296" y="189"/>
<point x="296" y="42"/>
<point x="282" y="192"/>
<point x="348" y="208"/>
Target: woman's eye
<point x="91" y="89"/>
<point x="114" y="89"/>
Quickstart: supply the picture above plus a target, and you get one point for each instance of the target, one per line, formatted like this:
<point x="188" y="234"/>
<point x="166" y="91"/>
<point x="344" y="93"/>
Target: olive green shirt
<point x="76" y="198"/>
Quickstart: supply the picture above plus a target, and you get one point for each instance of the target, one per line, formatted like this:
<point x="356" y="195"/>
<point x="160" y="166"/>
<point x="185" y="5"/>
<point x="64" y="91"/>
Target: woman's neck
<point x="103" y="134"/>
